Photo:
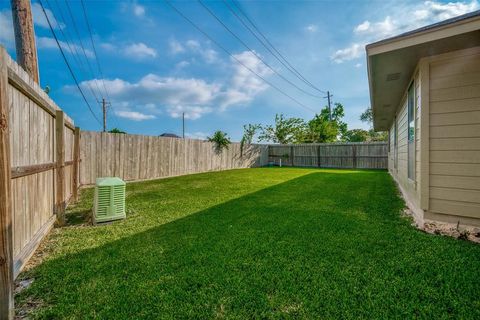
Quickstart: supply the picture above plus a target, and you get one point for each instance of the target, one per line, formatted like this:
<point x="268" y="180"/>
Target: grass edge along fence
<point x="39" y="157"/>
<point x="352" y="155"/>
<point x="139" y="157"/>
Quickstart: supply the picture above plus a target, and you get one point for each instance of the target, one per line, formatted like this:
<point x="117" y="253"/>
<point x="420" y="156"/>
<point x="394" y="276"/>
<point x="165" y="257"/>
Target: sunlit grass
<point x="256" y="243"/>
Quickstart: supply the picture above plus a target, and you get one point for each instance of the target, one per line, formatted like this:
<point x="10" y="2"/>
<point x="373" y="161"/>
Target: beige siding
<point x="409" y="187"/>
<point x="455" y="137"/>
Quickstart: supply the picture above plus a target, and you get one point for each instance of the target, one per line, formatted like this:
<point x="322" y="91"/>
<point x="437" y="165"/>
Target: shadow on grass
<point x="322" y="245"/>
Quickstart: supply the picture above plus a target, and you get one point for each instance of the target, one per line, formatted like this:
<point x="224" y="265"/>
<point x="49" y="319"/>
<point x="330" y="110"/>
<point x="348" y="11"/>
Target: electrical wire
<point x="94" y="49"/>
<point x="266" y="43"/>
<point x="235" y="58"/>
<point x="253" y="51"/>
<point x="67" y="63"/>
<point x="83" y="47"/>
<point x="73" y="49"/>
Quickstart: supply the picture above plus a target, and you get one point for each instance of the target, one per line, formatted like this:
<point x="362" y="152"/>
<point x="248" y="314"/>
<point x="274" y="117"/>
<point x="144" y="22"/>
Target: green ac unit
<point x="109" y="203"/>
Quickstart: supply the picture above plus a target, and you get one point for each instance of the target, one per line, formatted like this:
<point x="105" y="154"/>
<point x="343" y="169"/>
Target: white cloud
<point x="139" y="51"/>
<point x="311" y="28"/>
<point x="182" y="64"/>
<point x="362" y="27"/>
<point x="40" y="20"/>
<point x="403" y="18"/>
<point x="244" y="85"/>
<point x="49" y="43"/>
<point x="193" y="46"/>
<point x="440" y="11"/>
<point x="358" y="65"/>
<point x="175" y="47"/>
<point x="195" y="97"/>
<point x="354" y="51"/>
<point x="108" y="46"/>
<point x="134" y="115"/>
<point x="191" y="112"/>
<point x="138" y="10"/>
<point x="7" y="36"/>
<point x="411" y="17"/>
<point x="383" y="28"/>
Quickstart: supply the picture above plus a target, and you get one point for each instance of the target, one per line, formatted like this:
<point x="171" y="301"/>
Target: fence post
<point x="76" y="163"/>
<point x="60" y="166"/>
<point x="6" y="235"/>
<point x="354" y="153"/>
<point x="292" y="155"/>
<point x="318" y="156"/>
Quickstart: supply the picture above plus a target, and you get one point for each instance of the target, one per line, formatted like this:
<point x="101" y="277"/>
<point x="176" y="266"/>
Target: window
<point x="395" y="144"/>
<point x="411" y="132"/>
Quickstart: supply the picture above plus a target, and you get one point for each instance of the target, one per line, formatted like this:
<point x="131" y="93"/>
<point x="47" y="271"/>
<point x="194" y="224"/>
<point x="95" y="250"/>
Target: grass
<point x="256" y="243"/>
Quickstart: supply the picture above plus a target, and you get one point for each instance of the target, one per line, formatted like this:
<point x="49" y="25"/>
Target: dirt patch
<point x="452" y="230"/>
<point x="446" y="229"/>
<point x="25" y="310"/>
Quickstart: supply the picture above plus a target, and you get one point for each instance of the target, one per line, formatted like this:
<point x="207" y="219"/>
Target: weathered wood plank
<point x="22" y="171"/>
<point x="60" y="167"/>
<point x="6" y="235"/>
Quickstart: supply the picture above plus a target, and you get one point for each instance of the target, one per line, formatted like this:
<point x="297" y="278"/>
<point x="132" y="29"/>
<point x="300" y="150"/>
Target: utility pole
<point x="25" y="37"/>
<point x="329" y="105"/>
<point x="183" y="125"/>
<point x="104" y="110"/>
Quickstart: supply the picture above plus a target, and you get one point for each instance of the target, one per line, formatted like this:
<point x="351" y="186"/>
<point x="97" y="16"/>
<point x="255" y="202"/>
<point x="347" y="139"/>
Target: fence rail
<point x="137" y="157"/>
<point x="37" y="168"/>
<point x="359" y="155"/>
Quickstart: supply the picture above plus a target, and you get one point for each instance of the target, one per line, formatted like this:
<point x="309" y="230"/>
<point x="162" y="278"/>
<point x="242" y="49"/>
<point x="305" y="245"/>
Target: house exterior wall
<point x="454" y="144"/>
<point x="409" y="187"/>
<point x="446" y="187"/>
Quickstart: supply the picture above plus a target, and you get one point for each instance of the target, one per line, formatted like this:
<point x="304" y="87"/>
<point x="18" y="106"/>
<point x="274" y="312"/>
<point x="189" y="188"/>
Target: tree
<point x="322" y="129"/>
<point x="116" y="130"/>
<point x="284" y="131"/>
<point x="357" y="135"/>
<point x="249" y="131"/>
<point x="378" y="136"/>
<point x="367" y="116"/>
<point x="220" y="140"/>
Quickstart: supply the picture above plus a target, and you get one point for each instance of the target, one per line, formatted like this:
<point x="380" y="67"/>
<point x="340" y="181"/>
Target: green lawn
<point x="256" y="243"/>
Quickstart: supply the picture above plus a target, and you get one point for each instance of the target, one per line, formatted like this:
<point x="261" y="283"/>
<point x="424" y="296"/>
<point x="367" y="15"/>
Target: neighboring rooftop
<point x="169" y="135"/>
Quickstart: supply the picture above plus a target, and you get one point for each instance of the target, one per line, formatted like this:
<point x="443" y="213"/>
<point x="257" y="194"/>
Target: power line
<point x="65" y="34"/>
<point x="66" y="62"/>
<point x="253" y="51"/>
<point x="72" y="48"/>
<point x="83" y="47"/>
<point x="235" y="58"/>
<point x="94" y="49"/>
<point x="290" y="66"/>
<point x="104" y="103"/>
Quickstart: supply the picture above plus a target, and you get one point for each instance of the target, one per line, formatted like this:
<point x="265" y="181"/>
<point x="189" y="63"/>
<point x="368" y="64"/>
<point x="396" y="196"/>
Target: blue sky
<point x="156" y="65"/>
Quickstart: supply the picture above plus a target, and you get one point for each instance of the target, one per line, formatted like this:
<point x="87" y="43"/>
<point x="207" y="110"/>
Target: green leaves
<point x="220" y="139"/>
<point x="284" y="131"/>
<point x="249" y="131"/>
<point x="116" y="130"/>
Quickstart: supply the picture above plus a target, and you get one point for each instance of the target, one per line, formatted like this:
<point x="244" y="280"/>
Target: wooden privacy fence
<point x="362" y="155"/>
<point x="137" y="157"/>
<point x="39" y="157"/>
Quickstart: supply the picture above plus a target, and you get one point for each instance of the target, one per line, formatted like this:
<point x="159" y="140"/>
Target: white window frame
<point x="411" y="134"/>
